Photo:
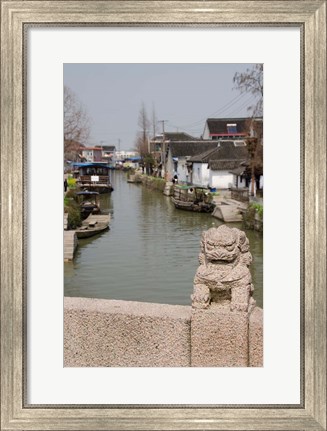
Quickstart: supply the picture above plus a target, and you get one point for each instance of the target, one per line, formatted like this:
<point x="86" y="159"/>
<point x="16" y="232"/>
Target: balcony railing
<point x="86" y="179"/>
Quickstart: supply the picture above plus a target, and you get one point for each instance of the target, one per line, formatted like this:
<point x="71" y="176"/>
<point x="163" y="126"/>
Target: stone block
<point x="256" y="338"/>
<point x="109" y="333"/>
<point x="219" y="337"/>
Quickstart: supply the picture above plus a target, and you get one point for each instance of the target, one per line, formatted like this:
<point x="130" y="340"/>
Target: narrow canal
<point x="150" y="252"/>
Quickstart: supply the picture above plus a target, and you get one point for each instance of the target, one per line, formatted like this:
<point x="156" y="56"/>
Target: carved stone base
<point x="219" y="337"/>
<point x="256" y="338"/>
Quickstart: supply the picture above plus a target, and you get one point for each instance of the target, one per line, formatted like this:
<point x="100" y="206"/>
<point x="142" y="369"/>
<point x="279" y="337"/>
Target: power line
<point x="222" y="108"/>
<point x="198" y="128"/>
<point x="247" y="102"/>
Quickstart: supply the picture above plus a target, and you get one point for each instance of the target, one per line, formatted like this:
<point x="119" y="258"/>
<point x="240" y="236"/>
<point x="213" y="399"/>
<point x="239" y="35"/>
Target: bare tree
<point x="251" y="81"/>
<point x="254" y="144"/>
<point x="76" y="121"/>
<point x="154" y="121"/>
<point x="142" y="141"/>
<point x="143" y="134"/>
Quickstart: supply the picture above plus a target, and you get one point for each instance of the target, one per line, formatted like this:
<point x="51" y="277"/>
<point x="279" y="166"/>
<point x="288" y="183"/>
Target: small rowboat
<point x="93" y="225"/>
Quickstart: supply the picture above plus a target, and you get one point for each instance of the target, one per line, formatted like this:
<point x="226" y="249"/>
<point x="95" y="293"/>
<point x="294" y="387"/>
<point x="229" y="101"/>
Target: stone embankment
<point x="228" y="210"/>
<point x="253" y="217"/>
<point x="70" y="245"/>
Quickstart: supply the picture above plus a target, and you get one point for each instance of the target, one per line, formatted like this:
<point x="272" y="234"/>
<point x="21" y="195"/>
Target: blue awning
<point x="91" y="165"/>
<point x="133" y="159"/>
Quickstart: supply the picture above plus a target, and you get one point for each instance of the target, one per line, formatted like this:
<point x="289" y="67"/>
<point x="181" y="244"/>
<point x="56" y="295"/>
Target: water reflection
<point x="149" y="254"/>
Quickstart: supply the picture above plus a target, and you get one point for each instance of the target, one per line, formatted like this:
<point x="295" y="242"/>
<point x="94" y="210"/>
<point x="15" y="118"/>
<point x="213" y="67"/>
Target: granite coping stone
<point x="179" y="312"/>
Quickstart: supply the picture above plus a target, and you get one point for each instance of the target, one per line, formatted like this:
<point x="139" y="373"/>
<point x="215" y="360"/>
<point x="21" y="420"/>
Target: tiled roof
<point x="225" y="156"/>
<point x="190" y="148"/>
<point x="218" y="126"/>
<point x="109" y="148"/>
<point x="224" y="165"/>
<point x="204" y="156"/>
<point x="179" y="136"/>
<point x="225" y="150"/>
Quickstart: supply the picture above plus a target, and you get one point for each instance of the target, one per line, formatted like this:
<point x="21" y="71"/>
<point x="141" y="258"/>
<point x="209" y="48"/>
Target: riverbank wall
<point x="111" y="333"/>
<point x="154" y="183"/>
<point x="252" y="219"/>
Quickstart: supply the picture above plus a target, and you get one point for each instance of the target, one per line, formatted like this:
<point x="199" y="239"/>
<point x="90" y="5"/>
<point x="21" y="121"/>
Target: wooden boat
<point x="200" y="207"/>
<point x="93" y="225"/>
<point x="93" y="176"/>
<point x="88" y="202"/>
<point x="190" y="198"/>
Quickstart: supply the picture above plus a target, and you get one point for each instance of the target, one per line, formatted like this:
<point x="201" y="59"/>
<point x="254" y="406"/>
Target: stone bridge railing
<point x="222" y="328"/>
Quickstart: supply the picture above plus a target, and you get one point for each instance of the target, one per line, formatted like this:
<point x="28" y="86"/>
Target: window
<point x="231" y="128"/>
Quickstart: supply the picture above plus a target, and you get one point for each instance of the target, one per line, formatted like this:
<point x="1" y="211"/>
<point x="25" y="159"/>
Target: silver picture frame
<point x="307" y="15"/>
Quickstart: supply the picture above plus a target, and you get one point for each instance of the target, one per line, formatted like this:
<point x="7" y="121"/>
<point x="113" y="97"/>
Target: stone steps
<point x="70" y="245"/>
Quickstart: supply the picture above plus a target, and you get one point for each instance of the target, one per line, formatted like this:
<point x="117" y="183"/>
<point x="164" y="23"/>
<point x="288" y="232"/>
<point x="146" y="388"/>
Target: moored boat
<point x="93" y="176"/>
<point x="191" y="198"/>
<point x="88" y="202"/>
<point x="93" y="225"/>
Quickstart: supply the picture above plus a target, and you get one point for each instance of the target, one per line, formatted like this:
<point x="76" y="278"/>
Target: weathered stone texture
<point x="222" y="300"/>
<point x="108" y="333"/>
<point x="223" y="274"/>
<point x="256" y="338"/>
<point x="219" y="337"/>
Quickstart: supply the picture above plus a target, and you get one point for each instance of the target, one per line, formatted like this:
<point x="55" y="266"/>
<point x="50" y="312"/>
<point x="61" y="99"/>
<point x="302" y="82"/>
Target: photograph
<point x="143" y="285"/>
<point x="163" y="215"/>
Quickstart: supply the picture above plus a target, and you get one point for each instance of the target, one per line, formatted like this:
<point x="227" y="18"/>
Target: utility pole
<point x="163" y="146"/>
<point x="119" y="148"/>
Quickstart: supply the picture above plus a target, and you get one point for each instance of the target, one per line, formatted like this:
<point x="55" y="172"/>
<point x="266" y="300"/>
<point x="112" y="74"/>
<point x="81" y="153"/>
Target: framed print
<point x="38" y="41"/>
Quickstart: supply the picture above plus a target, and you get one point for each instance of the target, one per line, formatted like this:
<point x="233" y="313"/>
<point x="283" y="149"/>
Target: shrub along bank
<point x="73" y="209"/>
<point x="154" y="183"/>
<point x="253" y="217"/>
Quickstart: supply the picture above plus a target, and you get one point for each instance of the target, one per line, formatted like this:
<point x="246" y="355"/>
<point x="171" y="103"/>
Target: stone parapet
<point x="108" y="333"/>
<point x="219" y="337"/>
<point x="256" y="338"/>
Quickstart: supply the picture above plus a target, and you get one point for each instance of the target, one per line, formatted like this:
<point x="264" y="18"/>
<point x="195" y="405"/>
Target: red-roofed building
<point x="228" y="128"/>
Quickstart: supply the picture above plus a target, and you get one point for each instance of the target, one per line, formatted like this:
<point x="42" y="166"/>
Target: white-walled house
<point x="173" y="152"/>
<point x="229" y="166"/>
<point x="180" y="152"/>
<point x="220" y="175"/>
<point x="213" y="168"/>
<point x="200" y="174"/>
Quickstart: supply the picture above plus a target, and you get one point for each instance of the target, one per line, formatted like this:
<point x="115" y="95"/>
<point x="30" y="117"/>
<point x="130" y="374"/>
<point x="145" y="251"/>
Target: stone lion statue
<point x="223" y="274"/>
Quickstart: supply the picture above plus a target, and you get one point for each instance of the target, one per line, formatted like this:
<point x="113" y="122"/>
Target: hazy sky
<point x="182" y="94"/>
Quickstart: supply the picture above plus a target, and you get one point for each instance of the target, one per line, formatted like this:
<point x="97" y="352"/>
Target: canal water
<point x="150" y="252"/>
